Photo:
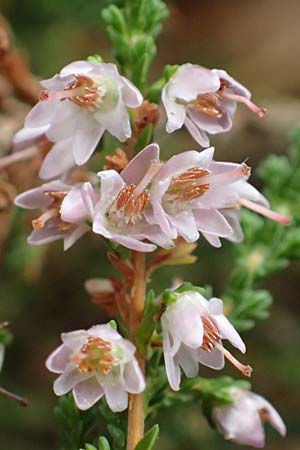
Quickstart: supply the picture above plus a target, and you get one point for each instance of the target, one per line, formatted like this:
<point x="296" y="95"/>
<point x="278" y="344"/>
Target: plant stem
<point x="136" y="402"/>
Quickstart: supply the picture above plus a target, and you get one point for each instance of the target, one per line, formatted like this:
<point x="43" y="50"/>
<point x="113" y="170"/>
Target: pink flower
<point x="204" y="101"/>
<point x="242" y="421"/>
<point x="78" y="105"/>
<point x="50" y="225"/>
<point x="186" y="193"/>
<point x="193" y="329"/>
<point x="95" y="363"/>
<point x="120" y="212"/>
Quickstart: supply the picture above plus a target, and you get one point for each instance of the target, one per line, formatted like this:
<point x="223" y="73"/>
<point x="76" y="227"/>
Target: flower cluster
<point x="149" y="202"/>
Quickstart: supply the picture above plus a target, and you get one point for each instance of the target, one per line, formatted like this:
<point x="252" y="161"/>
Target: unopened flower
<point x="242" y="421"/>
<point x="50" y="226"/>
<point x="186" y="192"/>
<point x="76" y="107"/>
<point x="204" y="101"/>
<point x="193" y="329"/>
<point x="95" y="363"/>
<point x="120" y="212"/>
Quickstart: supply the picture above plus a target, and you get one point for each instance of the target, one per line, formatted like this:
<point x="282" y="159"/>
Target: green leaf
<point x="147" y="325"/>
<point x="103" y="444"/>
<point x="149" y="440"/>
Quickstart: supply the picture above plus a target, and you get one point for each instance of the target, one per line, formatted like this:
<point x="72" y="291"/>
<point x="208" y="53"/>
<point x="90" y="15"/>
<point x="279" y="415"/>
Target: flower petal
<point x="134" y="381"/>
<point x="213" y="359"/>
<point x="130" y="94"/>
<point x="58" y="160"/>
<point x="41" y="114"/>
<point x="116" y="396"/>
<point x="87" y="393"/>
<point x="85" y="140"/>
<point x="73" y="236"/>
<point x="59" y="359"/>
<point x="188" y="360"/>
<point x="138" y="166"/>
<point x="212" y="221"/>
<point x="68" y="379"/>
<point x="229" y="332"/>
<point x="199" y="135"/>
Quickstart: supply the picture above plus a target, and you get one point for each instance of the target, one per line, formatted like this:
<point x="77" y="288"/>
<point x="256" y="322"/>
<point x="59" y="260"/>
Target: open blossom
<point x="50" y="226"/>
<point x="242" y="421"/>
<point x="94" y="363"/>
<point x="78" y="105"/>
<point x="204" y="101"/>
<point x="186" y="193"/>
<point x="120" y="212"/>
<point x="193" y="329"/>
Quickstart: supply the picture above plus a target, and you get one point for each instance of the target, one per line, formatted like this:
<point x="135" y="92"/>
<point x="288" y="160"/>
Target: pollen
<point x="211" y="334"/>
<point x="129" y="205"/>
<point x="210" y="104"/>
<point x="188" y="186"/>
<point x="96" y="354"/>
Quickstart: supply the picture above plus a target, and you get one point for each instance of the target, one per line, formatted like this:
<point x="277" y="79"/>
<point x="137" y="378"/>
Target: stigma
<point x="95" y="355"/>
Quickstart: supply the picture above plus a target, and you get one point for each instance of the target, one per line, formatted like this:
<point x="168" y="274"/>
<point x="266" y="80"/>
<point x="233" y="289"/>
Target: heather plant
<point x="151" y="212"/>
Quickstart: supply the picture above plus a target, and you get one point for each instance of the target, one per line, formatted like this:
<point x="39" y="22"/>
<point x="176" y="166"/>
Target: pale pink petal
<point x="28" y="136"/>
<point x="199" y="135"/>
<point x="2" y="352"/>
<point x="41" y="114"/>
<point x="185" y="226"/>
<point x="190" y="80"/>
<point x="73" y="236"/>
<point x="49" y="233"/>
<point x="132" y="243"/>
<point x="138" y="166"/>
<point x="235" y="86"/>
<point x="73" y="208"/>
<point x="209" y="124"/>
<point x="68" y="379"/>
<point x="213" y="359"/>
<point x="77" y="68"/>
<point x="59" y="359"/>
<point x="58" y="160"/>
<point x="85" y="140"/>
<point x="87" y="393"/>
<point x="74" y="340"/>
<point x="176" y="113"/>
<point x="57" y="82"/>
<point x="134" y="381"/>
<point x="229" y="332"/>
<point x="212" y="239"/>
<point x="130" y="94"/>
<point x="116" y="396"/>
<point x="117" y="123"/>
<point x="188" y="360"/>
<point x="111" y="184"/>
<point x="67" y="120"/>
<point x="184" y="161"/>
<point x="212" y="221"/>
<point x="105" y="332"/>
<point x="233" y="218"/>
<point x="246" y="190"/>
<point x="273" y="417"/>
<point x="154" y="234"/>
<point x="156" y="193"/>
<point x="240" y="423"/>
<point x="215" y="306"/>
<point x="172" y="369"/>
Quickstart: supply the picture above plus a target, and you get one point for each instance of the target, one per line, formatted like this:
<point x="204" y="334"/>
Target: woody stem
<point x="136" y="402"/>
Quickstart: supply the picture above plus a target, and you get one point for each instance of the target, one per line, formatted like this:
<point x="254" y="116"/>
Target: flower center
<point x="128" y="206"/>
<point x="212" y="339"/>
<point x="184" y="188"/>
<point x="88" y="93"/>
<point x="96" y="354"/>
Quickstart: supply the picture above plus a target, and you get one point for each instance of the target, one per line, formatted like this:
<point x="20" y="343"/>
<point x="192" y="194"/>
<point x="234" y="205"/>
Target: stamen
<point x="233" y="175"/>
<point x="39" y="223"/>
<point x="83" y="91"/>
<point x="210" y="104"/>
<point x="246" y="370"/>
<point x="96" y="354"/>
<point x="261" y="112"/>
<point x="285" y="220"/>
<point x="129" y="204"/>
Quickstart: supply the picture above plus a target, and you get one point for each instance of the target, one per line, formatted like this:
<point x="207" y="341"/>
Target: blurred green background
<point x="41" y="289"/>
